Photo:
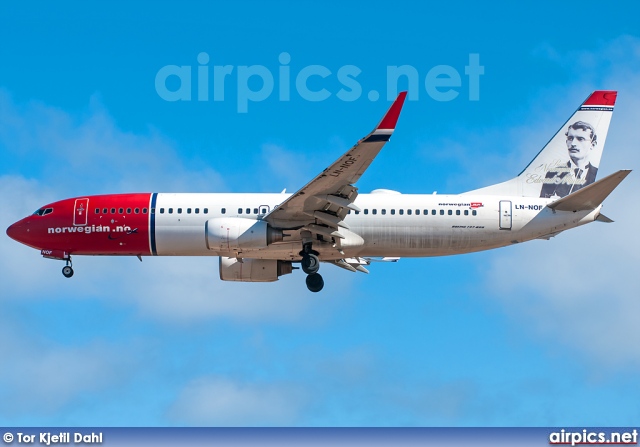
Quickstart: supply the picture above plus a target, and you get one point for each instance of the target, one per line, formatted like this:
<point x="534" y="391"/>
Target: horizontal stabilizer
<point x="590" y="197"/>
<point x="603" y="218"/>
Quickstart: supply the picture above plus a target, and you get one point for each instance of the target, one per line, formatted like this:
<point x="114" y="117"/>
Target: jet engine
<point x="253" y="270"/>
<point x="226" y="234"/>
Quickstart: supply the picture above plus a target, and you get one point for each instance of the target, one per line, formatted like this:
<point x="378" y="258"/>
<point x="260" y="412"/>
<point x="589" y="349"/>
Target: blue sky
<point x="527" y="335"/>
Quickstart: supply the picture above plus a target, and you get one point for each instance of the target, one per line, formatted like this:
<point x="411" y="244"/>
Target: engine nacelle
<point x="225" y="234"/>
<point x="253" y="270"/>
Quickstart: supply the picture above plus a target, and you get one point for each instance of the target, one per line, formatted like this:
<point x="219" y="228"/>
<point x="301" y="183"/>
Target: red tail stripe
<point x="602" y="98"/>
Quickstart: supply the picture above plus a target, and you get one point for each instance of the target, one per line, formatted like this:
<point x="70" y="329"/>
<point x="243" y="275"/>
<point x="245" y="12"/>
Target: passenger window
<point x="128" y="210"/>
<point x="474" y="212"/>
<point x="137" y="211"/>
<point x="357" y="212"/>
<point x="144" y="211"/>
<point x="401" y="212"/>
<point x="442" y="212"/>
<point x="105" y="210"/>
<point x="197" y="210"/>
<point x="264" y="211"/>
<point x="366" y="211"/>
<point x="97" y="210"/>
<point x="248" y="210"/>
<point x="417" y="212"/>
<point x="179" y="210"/>
<point x="223" y="211"/>
<point x="466" y="212"/>
<point x="409" y="212"/>
<point x="188" y="210"/>
<point x="255" y="211"/>
<point x="170" y="210"/>
<point x="383" y="211"/>
<point x="374" y="211"/>
<point x="113" y="210"/>
<point x="206" y="210"/>
<point x="239" y="210"/>
<point x="457" y="212"/>
<point x="161" y="210"/>
<point x="121" y="211"/>
<point x="450" y="212"/>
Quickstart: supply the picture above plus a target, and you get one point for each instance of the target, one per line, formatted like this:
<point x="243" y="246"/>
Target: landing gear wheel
<point x="310" y="263"/>
<point x="67" y="271"/>
<point x="315" y="283"/>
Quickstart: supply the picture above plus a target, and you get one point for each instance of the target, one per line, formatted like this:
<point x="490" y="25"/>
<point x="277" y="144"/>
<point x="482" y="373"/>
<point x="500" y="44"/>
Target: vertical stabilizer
<point x="570" y="160"/>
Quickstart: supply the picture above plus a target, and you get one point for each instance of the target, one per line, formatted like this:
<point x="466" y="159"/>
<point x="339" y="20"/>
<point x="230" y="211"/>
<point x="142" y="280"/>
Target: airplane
<point x="259" y="237"/>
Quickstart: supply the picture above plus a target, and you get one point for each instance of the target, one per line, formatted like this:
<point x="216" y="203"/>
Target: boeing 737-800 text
<point x="259" y="237"/>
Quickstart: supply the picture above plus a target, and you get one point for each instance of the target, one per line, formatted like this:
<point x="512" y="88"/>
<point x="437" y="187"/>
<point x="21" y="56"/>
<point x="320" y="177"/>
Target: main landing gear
<point x="67" y="270"/>
<point x="315" y="283"/>
<point x="310" y="265"/>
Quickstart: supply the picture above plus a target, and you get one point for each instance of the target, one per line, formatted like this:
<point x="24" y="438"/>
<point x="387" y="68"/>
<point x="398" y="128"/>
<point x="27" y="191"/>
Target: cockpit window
<point x="43" y="212"/>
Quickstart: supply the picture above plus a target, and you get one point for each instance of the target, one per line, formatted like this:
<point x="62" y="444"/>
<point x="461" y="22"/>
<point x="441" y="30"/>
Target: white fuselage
<point x="391" y="224"/>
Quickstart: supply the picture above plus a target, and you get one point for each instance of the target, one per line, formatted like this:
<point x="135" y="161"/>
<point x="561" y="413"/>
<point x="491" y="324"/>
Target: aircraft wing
<point x="323" y="203"/>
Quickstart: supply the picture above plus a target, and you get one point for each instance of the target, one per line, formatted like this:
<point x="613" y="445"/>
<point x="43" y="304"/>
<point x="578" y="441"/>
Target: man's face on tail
<point x="579" y="145"/>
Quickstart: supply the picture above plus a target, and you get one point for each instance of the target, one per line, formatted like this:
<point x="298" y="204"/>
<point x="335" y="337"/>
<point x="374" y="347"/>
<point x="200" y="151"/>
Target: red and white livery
<point x="259" y="237"/>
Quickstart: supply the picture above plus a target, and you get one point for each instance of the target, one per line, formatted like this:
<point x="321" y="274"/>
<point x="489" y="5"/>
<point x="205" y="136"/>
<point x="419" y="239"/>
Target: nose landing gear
<point x="67" y="270"/>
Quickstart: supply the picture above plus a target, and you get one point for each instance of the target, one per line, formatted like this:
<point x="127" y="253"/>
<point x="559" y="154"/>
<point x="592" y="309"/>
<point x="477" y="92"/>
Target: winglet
<point x="391" y="118"/>
<point x="385" y="128"/>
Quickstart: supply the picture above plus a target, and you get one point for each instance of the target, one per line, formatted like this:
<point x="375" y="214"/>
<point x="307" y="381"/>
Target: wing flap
<point x="352" y="264"/>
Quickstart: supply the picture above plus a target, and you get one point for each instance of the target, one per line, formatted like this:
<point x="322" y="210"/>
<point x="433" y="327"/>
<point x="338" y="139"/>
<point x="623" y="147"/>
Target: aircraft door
<point x="505" y="215"/>
<point x="80" y="212"/>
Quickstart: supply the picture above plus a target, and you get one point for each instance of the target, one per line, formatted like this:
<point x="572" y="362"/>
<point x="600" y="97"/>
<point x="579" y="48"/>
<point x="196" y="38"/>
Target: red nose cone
<point x="13" y="231"/>
<point x="19" y="231"/>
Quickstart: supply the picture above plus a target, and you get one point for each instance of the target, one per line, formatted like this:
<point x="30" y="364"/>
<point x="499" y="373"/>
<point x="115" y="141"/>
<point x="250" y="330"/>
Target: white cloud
<point x="221" y="402"/>
<point x="18" y="198"/>
<point x="506" y="150"/>
<point x="184" y="290"/>
<point x="281" y="166"/>
<point x="45" y="377"/>
<point x="580" y="290"/>
<point x="618" y="56"/>
<point x="92" y="154"/>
